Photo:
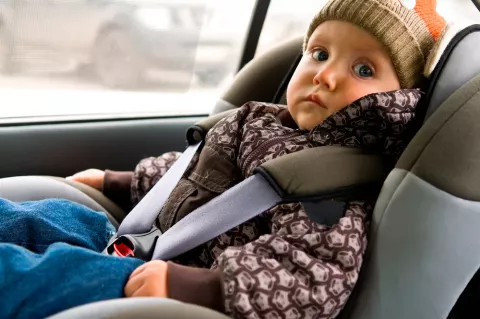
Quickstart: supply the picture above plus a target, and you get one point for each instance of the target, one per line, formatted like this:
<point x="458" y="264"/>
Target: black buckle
<point x="140" y="246"/>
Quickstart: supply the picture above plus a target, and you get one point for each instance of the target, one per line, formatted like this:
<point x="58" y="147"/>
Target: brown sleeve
<point x="116" y="186"/>
<point x="148" y="172"/>
<point x="199" y="286"/>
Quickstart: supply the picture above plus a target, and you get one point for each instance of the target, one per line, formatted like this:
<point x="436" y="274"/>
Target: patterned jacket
<point x="280" y="264"/>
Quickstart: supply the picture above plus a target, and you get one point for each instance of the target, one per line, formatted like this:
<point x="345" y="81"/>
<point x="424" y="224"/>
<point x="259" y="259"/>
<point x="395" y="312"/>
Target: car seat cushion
<point x="440" y="145"/>
<point x="32" y="188"/>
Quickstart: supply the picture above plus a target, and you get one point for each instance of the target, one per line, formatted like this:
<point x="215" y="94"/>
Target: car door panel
<point x="63" y="149"/>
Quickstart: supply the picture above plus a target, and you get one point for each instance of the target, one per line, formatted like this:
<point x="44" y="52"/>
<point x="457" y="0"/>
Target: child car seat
<point x="425" y="243"/>
<point x="425" y="215"/>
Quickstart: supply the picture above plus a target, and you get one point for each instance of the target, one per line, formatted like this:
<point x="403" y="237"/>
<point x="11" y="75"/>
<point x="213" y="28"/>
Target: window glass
<point x="287" y="19"/>
<point x="123" y="57"/>
<point x="460" y="11"/>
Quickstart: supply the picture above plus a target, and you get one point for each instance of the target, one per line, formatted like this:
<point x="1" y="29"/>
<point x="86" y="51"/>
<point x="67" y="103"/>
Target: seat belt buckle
<point x="139" y="246"/>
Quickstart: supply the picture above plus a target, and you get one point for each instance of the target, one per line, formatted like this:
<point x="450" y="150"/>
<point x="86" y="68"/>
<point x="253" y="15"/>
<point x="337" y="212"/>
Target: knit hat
<point x="408" y="34"/>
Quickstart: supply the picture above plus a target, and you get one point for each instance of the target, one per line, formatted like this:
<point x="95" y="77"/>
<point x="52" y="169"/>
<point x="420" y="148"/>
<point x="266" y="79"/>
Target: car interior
<point x="424" y="250"/>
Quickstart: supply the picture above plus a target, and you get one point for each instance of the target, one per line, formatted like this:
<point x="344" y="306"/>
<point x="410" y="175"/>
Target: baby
<point x="354" y="87"/>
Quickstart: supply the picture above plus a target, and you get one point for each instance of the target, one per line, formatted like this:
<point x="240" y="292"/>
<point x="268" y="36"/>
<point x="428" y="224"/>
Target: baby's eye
<point x="363" y="70"/>
<point x="320" y="55"/>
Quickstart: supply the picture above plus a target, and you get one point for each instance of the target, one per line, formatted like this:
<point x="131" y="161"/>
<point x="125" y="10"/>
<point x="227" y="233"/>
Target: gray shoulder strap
<point x="142" y="217"/>
<point x="234" y="207"/>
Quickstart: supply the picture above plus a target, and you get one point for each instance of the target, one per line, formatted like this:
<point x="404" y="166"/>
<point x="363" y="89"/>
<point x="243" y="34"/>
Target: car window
<point x="460" y="11"/>
<point x="117" y="57"/>
<point x="287" y="19"/>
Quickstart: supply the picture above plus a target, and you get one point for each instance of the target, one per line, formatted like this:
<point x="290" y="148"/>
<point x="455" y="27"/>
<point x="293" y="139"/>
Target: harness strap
<point x="142" y="217"/>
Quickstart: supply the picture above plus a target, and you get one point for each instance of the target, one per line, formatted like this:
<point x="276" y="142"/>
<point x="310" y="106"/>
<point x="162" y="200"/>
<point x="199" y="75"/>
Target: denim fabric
<point x="50" y="258"/>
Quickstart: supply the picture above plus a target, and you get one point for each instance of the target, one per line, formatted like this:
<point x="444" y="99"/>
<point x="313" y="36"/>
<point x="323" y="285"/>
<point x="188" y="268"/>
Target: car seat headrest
<point x="444" y="152"/>
<point x="456" y="62"/>
<point x="262" y="79"/>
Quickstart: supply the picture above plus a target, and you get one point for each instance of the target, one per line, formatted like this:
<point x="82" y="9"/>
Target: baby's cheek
<point x="357" y="93"/>
<point x="353" y="96"/>
<point x="293" y="90"/>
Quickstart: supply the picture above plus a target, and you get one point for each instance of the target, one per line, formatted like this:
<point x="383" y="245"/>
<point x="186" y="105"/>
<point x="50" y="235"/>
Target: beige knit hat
<point x="408" y="34"/>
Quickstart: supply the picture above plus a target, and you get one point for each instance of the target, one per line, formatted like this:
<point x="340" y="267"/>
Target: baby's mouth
<point x="314" y="98"/>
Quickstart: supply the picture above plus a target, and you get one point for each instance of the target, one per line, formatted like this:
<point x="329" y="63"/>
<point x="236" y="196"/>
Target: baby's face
<point x="341" y="64"/>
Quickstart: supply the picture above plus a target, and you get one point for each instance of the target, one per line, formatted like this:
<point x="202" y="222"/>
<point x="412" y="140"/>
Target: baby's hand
<point x="91" y="177"/>
<point x="148" y="280"/>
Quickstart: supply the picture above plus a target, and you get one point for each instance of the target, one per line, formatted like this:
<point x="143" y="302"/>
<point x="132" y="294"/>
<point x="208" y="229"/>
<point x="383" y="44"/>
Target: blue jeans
<point x="50" y="260"/>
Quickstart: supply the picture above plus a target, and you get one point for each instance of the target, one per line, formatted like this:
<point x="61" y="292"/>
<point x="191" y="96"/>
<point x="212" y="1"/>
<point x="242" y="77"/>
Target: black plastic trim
<point x="191" y="138"/>
<point x="62" y="120"/>
<point x="477" y="4"/>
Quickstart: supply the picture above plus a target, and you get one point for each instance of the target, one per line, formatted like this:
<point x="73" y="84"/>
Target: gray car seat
<point x="425" y="239"/>
<point x="424" y="249"/>
<point x="33" y="188"/>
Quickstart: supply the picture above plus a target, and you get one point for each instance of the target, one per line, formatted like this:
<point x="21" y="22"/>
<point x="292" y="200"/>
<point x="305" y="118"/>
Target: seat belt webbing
<point x="142" y="216"/>
<point x="232" y="208"/>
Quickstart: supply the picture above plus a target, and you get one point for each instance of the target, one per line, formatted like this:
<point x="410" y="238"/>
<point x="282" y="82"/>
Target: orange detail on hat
<point x="427" y="10"/>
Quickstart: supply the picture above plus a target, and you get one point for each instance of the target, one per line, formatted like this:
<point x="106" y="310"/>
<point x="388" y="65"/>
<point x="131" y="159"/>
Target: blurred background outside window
<point x="162" y="57"/>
